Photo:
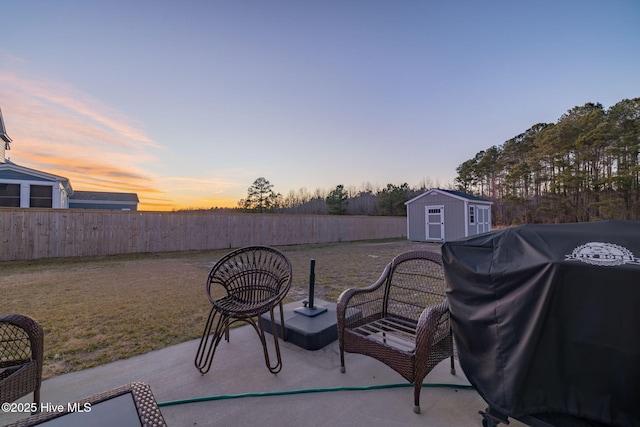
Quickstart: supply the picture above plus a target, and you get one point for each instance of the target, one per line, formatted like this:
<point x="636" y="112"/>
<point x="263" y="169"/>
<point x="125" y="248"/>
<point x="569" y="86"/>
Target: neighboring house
<point x="443" y="215"/>
<point x="103" y="200"/>
<point x="21" y="187"/>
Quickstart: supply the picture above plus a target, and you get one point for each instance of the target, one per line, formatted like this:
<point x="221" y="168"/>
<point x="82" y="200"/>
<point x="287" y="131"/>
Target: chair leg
<point x="210" y="339"/>
<point x="260" y="330"/>
<point x="36" y="400"/>
<point x="417" y="387"/>
<point x="416" y="396"/>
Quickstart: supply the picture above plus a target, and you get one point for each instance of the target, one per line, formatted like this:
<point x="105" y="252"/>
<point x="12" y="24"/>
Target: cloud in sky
<point x="60" y="130"/>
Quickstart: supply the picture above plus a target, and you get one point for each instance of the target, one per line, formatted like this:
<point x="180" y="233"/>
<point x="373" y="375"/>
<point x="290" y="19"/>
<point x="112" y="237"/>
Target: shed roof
<point x="452" y="193"/>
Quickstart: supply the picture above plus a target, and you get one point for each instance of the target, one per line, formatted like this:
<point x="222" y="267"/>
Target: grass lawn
<point x="98" y="310"/>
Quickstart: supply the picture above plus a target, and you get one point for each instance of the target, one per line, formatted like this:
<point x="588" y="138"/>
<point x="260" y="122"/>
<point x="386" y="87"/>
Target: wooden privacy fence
<point x="49" y="233"/>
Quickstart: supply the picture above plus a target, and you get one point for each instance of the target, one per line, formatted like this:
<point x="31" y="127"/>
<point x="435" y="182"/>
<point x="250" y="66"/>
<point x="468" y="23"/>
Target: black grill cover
<point x="547" y="318"/>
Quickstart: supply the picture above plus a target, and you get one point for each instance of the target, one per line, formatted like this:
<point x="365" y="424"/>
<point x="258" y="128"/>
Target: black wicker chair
<point x="401" y="320"/>
<point x="21" y="357"/>
<point x="254" y="280"/>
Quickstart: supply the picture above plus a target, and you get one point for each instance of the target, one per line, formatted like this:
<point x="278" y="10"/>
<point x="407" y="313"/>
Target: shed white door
<point x="484" y="219"/>
<point x="434" y="222"/>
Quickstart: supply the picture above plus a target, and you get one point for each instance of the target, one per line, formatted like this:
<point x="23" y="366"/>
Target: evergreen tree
<point x="337" y="201"/>
<point x="260" y="197"/>
<point x="392" y="198"/>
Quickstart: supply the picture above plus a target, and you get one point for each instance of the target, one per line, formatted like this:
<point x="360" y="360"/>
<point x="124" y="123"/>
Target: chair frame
<point x="21" y="372"/>
<point x="255" y="280"/>
<point x="401" y="320"/>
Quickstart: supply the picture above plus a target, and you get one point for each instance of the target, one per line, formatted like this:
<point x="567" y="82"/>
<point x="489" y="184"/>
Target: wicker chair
<point x="21" y="357"/>
<point x="401" y="320"/>
<point x="254" y="280"/>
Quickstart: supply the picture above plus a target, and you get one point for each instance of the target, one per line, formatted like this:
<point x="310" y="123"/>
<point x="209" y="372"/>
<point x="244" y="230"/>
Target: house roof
<point x="9" y="167"/>
<point x="104" y="196"/>
<point x="10" y="170"/>
<point x="452" y="193"/>
<point x="3" y="132"/>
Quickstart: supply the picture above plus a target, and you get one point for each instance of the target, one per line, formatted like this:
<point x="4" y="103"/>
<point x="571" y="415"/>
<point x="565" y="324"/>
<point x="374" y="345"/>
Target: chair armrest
<point x="432" y="327"/>
<point x="34" y="331"/>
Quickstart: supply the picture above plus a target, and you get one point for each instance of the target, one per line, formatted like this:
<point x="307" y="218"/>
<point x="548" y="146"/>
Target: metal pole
<point x="312" y="282"/>
<point x="309" y="309"/>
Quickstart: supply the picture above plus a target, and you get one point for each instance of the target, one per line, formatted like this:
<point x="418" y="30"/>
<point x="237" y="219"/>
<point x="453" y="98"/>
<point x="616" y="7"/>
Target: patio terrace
<point x="238" y="368"/>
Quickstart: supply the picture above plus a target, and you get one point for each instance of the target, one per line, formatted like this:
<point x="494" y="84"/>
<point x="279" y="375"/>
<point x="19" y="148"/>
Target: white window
<point x="472" y="215"/>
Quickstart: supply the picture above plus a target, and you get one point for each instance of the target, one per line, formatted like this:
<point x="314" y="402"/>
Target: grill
<point x="546" y="319"/>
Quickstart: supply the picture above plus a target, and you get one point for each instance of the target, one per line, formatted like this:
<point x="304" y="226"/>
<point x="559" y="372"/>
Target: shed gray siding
<point x="453" y="213"/>
<point x="416" y="224"/>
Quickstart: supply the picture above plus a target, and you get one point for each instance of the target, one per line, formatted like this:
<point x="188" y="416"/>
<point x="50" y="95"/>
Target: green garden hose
<point x="308" y="390"/>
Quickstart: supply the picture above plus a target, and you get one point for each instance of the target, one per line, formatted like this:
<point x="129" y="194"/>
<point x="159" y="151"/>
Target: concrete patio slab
<point x="239" y="368"/>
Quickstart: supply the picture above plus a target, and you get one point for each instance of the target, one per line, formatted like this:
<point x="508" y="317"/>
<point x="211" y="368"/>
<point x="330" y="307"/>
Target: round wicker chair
<point x="253" y="280"/>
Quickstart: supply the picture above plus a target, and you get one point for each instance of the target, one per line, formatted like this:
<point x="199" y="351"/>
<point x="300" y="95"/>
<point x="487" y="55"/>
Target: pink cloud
<point x="60" y="130"/>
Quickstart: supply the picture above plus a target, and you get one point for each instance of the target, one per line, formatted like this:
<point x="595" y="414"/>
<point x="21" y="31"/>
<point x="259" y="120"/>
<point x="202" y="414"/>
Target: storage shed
<point x="442" y="215"/>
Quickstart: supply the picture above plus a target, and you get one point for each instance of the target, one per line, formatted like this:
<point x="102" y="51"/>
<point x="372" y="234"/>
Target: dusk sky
<point x="188" y="102"/>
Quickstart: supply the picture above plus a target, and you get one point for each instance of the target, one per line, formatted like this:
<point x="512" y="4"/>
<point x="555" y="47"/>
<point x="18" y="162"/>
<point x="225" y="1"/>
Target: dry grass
<point x="97" y="310"/>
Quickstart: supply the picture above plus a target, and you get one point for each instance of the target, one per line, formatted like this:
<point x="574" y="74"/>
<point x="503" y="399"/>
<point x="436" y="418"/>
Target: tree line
<point x="584" y="167"/>
<point x="367" y="200"/>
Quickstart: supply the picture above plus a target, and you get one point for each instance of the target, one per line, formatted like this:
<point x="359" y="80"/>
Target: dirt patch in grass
<point x="98" y="310"/>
